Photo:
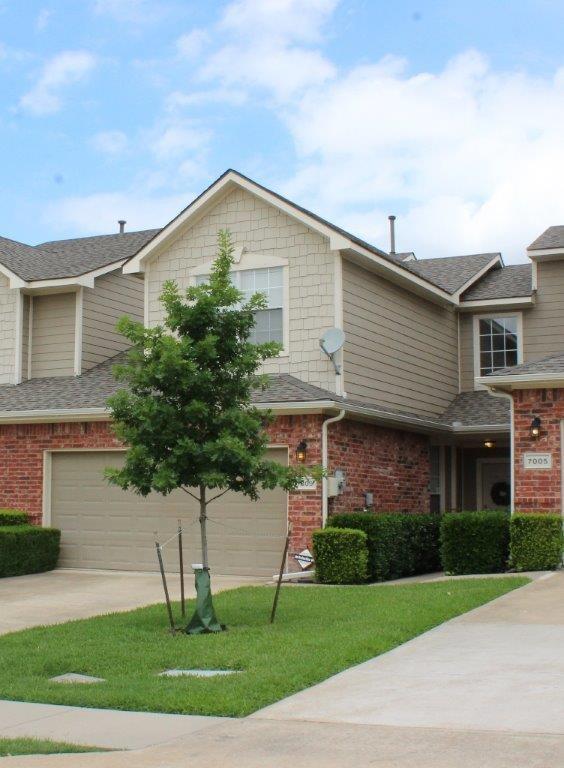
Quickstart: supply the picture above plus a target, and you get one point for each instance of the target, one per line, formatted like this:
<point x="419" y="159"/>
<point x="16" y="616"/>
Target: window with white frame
<point x="270" y="282"/>
<point x="499" y="343"/>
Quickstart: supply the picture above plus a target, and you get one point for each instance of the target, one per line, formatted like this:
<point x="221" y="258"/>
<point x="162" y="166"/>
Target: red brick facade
<point x="393" y="465"/>
<point x="538" y="490"/>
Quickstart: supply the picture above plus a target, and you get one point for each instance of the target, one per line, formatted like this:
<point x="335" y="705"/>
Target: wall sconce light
<point x="301" y="452"/>
<point x="535" y="427"/>
<point x="489" y="443"/>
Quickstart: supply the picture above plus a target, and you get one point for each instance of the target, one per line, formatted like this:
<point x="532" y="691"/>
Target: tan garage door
<point x="105" y="527"/>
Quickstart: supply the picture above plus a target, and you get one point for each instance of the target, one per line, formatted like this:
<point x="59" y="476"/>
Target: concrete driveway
<point x="65" y="594"/>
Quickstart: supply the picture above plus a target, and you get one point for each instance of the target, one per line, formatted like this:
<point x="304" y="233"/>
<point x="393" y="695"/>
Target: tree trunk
<point x="203" y="530"/>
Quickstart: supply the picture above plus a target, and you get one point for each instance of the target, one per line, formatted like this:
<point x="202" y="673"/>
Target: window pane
<point x="497" y="326"/>
<point x="275" y="297"/>
<point x="499" y="359"/>
<point x="511" y="357"/>
<point x="268" y="326"/>
<point x="261" y="279"/>
<point x="485" y="326"/>
<point x="510" y="324"/>
<point x="275" y="277"/>
<point x="498" y="343"/>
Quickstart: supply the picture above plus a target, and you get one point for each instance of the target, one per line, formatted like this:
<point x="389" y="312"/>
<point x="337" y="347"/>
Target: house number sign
<point x="307" y="484"/>
<point x="537" y="461"/>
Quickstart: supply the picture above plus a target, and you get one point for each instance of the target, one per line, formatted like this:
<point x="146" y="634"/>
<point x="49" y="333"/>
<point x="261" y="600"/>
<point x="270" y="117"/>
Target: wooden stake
<point x="181" y="560"/>
<point x="161" y="566"/>
<point x="279" y="584"/>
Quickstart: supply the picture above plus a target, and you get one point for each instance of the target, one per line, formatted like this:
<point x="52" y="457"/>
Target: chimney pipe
<point x="392" y="220"/>
<point x="122" y="223"/>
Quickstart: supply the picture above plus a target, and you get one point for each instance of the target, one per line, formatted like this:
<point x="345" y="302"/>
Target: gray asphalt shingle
<point x="553" y="237"/>
<point x="472" y="409"/>
<point x="549" y="364"/>
<point x="451" y="272"/>
<point x="506" y="283"/>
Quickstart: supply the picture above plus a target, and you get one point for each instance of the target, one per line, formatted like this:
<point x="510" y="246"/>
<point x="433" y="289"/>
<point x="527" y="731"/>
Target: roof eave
<point x="522" y="381"/>
<point x="545" y="254"/>
<point x="507" y="302"/>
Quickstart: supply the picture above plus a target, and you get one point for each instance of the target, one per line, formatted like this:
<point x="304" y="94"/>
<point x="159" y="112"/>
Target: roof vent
<point x="122" y="223"/>
<point x="392" y="220"/>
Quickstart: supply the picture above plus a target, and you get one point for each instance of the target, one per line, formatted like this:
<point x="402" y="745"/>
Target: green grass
<point x="10" y="747"/>
<point x="319" y="631"/>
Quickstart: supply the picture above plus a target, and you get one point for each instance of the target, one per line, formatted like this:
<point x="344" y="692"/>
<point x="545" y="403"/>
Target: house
<point x="413" y="412"/>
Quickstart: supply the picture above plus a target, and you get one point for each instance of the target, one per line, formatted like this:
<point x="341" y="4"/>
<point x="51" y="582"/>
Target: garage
<point x="105" y="527"/>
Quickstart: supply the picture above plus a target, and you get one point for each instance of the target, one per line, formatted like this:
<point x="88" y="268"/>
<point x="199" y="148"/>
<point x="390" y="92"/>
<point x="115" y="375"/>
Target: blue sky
<point x="448" y="114"/>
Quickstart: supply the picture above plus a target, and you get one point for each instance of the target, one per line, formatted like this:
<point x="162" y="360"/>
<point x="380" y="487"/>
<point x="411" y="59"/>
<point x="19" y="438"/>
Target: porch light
<point x="535" y="427"/>
<point x="489" y="443"/>
<point x="301" y="452"/>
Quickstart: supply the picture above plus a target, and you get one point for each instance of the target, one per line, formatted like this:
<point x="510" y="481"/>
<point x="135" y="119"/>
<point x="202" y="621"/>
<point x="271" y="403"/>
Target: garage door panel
<point x="105" y="527"/>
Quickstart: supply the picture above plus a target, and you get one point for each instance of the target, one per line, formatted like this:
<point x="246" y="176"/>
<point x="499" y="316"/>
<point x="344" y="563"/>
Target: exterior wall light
<point x="489" y="443"/>
<point x="301" y="452"/>
<point x="535" y="427"/>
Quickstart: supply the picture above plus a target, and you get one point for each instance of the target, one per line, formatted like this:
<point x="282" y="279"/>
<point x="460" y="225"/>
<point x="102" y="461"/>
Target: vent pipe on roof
<point x="392" y="220"/>
<point x="122" y="223"/>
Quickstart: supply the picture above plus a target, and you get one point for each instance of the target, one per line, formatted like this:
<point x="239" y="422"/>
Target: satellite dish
<point x="331" y="342"/>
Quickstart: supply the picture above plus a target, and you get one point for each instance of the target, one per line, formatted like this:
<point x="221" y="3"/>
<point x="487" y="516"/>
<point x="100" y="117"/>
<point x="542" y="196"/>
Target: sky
<point x="449" y="115"/>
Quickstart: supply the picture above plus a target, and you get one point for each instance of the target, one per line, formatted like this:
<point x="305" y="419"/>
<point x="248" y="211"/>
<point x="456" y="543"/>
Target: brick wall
<point x="393" y="465"/>
<point x="538" y="490"/>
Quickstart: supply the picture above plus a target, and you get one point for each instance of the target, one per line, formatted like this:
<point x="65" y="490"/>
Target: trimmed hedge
<point x="28" y="549"/>
<point x="475" y="542"/>
<point x="399" y="543"/>
<point x="341" y="556"/>
<point x="536" y="542"/>
<point x="12" y="517"/>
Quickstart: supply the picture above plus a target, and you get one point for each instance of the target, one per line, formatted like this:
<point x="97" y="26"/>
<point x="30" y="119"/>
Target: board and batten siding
<point x="113" y="296"/>
<point x="8" y="298"/>
<point x="263" y="229"/>
<point x="52" y="336"/>
<point x="401" y="350"/>
<point x="543" y="324"/>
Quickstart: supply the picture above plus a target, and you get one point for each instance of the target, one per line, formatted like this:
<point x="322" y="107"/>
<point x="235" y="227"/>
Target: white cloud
<point x="99" y="213"/>
<point x="285" y="20"/>
<point x="109" y="142"/>
<point x="130" y="11"/>
<point x="191" y="45"/>
<point x="42" y="19"/>
<point x="63" y="70"/>
<point x="178" y="138"/>
<point x="471" y="158"/>
<point x="178" y="101"/>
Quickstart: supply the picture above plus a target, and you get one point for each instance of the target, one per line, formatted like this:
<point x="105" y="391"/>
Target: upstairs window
<point x="498" y="343"/>
<point x="269" y="281"/>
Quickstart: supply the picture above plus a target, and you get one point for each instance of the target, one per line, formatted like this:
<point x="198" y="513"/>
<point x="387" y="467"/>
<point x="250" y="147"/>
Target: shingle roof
<point x="553" y="237"/>
<point x="470" y="409"/>
<point x="451" y="272"/>
<point x="506" y="283"/>
<point x="69" y="258"/>
<point x="550" y="364"/>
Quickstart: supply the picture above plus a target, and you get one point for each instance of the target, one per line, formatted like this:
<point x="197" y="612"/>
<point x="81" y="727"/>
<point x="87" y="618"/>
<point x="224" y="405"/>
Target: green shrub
<point x="399" y="543"/>
<point x="12" y="517"/>
<point x="28" y="549"/>
<point x="341" y="556"/>
<point x="475" y="542"/>
<point x="535" y="542"/>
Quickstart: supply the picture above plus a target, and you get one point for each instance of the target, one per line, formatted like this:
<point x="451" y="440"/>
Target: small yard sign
<point x="537" y="461"/>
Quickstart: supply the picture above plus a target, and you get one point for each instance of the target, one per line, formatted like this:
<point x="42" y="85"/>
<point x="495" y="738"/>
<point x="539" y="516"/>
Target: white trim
<point x="30" y="337"/>
<point x="15" y="280"/>
<point x="542" y="253"/>
<point x="536" y="380"/>
<point x="480" y="273"/>
<point x="146" y="297"/>
<point x="49" y="415"/>
<point x="246" y="261"/>
<point x="534" y="276"/>
<point x="86" y="280"/>
<point x="480" y="462"/>
<point x="46" y="492"/>
<point x="476" y="340"/>
<point x="517" y="301"/>
<point x="339" y="318"/>
<point x="18" y="338"/>
<point x="79" y="303"/>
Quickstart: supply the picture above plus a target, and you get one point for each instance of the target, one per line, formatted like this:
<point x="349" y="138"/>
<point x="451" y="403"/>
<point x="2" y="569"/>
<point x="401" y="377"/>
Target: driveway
<point x="65" y="594"/>
<point x="485" y="690"/>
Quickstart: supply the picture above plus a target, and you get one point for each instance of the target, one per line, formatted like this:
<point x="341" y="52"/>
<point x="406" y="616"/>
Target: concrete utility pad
<point x="198" y="672"/>
<point x="72" y="677"/>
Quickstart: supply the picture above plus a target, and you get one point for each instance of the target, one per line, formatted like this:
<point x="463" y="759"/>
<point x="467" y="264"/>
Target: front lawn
<point x="319" y="631"/>
<point x="9" y="747"/>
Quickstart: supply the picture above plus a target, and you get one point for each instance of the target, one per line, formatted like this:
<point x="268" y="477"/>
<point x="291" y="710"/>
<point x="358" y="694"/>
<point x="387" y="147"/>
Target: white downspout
<point x="496" y="393"/>
<point x="325" y="462"/>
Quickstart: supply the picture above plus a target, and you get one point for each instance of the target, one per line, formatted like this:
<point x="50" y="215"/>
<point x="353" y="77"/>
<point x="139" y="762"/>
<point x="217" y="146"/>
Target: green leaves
<point x="186" y="409"/>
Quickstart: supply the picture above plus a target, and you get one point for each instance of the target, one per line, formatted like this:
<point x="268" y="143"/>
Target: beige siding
<point x="8" y="298"/>
<point x="113" y="296"/>
<point x="543" y="324"/>
<point x="401" y="350"/>
<point x="466" y="352"/>
<point x="263" y="229"/>
<point x="25" y="337"/>
<point x="52" y="340"/>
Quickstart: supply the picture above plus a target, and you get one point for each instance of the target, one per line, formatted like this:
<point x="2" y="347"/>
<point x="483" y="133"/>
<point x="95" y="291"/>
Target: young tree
<point x="186" y="413"/>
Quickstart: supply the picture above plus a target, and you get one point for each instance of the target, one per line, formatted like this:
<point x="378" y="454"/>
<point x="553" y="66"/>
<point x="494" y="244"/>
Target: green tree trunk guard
<point x="204" y="619"/>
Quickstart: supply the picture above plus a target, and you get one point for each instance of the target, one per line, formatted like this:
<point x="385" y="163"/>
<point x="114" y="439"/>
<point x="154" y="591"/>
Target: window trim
<point x="476" y="339"/>
<point x="252" y="261"/>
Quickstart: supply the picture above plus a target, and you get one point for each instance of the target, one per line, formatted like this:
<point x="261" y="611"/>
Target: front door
<point x="494" y="489"/>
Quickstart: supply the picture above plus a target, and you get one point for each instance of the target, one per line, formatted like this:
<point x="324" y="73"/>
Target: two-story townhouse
<point x="400" y="416"/>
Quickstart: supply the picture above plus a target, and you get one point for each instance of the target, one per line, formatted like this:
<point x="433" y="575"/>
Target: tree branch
<point x="217" y="496"/>
<point x="197" y="498"/>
